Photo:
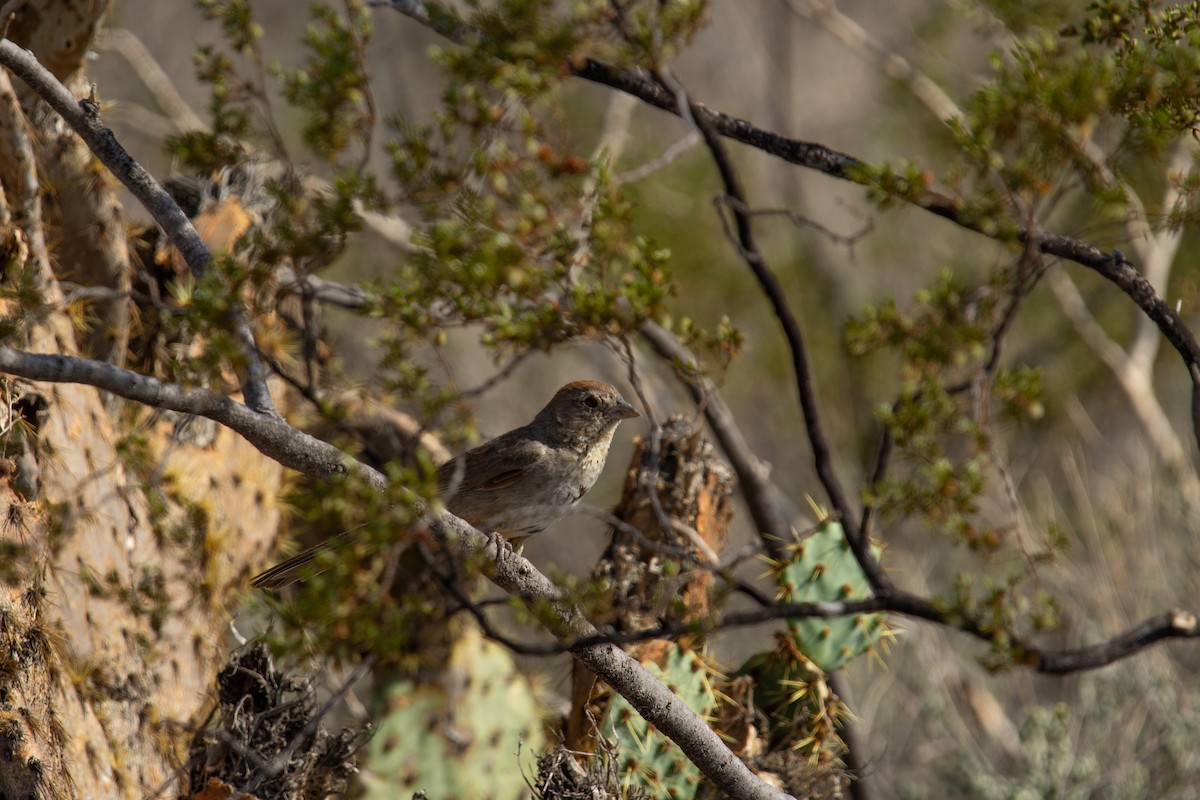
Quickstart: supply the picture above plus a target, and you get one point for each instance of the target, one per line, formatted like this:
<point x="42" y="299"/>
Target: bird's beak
<point x="622" y="410"/>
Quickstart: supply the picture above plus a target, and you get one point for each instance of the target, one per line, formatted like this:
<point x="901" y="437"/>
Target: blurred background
<point x="931" y="719"/>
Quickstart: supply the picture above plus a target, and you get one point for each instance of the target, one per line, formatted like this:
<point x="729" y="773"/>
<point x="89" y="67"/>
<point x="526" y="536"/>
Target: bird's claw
<point x="502" y="545"/>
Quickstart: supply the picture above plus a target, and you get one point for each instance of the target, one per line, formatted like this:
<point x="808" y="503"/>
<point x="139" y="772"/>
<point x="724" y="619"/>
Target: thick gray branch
<point x="269" y="433"/>
<point x="277" y="439"/>
<point x="84" y="118"/>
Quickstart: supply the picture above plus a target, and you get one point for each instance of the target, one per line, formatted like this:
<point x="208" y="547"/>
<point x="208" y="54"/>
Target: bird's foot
<point x="502" y="545"/>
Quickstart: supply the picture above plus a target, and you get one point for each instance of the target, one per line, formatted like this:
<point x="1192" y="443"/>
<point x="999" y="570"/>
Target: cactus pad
<point x="647" y="759"/>
<point x="461" y="736"/>
<point x="823" y="567"/>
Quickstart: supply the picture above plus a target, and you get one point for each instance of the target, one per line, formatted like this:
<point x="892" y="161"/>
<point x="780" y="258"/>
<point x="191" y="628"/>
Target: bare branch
<point x="273" y="436"/>
<point x="1112" y="266"/>
<point x="153" y="77"/>
<point x="84" y="118"/>
<point x="353" y="298"/>
<point x="293" y="448"/>
<point x="896" y="66"/>
<point x="769" y="283"/>
<point x="674" y="151"/>
<point x="1174" y="624"/>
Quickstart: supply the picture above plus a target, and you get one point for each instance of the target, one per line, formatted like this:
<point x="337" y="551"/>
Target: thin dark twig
<point x="499" y="376"/>
<point x="644" y="542"/>
<point x="353" y="298"/>
<point x="769" y="283"/>
<point x="753" y="592"/>
<point x="305" y="390"/>
<point x="770" y="508"/>
<point x="1174" y="624"/>
<point x="649" y="471"/>
<point x="452" y="582"/>
<point x="883" y="458"/>
<point x="800" y="221"/>
<point x="1030" y="269"/>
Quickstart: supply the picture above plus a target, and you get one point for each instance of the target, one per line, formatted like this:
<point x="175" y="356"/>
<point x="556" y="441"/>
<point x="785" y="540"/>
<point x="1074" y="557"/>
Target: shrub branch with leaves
<point x="524" y="244"/>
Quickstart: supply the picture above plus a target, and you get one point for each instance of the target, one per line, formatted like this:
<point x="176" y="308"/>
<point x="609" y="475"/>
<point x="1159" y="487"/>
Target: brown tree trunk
<point x="126" y="535"/>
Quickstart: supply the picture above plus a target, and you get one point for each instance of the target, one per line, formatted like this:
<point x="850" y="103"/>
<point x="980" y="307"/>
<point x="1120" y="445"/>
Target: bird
<point x="521" y="482"/>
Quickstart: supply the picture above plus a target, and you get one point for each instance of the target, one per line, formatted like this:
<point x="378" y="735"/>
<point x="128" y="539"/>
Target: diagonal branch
<point x="1113" y="266"/>
<point x="84" y="118"/>
<point x="769" y="283"/>
<point x="293" y="448"/>
<point x="272" y="436"/>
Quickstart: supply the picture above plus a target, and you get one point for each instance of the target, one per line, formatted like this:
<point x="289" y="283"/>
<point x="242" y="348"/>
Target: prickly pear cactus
<point x="648" y="760"/>
<point x="475" y="733"/>
<point x="823" y="567"/>
<point x="791" y="692"/>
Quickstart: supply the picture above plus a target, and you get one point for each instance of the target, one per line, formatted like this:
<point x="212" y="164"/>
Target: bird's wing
<point x="497" y="464"/>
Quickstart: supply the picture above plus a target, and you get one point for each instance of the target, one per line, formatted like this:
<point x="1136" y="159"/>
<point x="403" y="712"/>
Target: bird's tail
<point x="291" y="571"/>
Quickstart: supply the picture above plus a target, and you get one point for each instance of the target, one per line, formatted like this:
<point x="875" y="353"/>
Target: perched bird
<point x="521" y="482"/>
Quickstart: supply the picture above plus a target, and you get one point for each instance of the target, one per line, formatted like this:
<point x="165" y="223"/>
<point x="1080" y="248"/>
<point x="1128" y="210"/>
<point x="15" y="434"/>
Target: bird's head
<point x="583" y="412"/>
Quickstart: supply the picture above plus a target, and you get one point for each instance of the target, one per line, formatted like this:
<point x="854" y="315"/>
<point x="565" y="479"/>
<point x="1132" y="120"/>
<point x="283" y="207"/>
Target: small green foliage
<point x="1023" y="126"/>
<point x="1019" y="392"/>
<point x="506" y="255"/>
<point x="1155" y="53"/>
<point x="889" y="184"/>
<point x="947" y="326"/>
<point x="332" y="87"/>
<point x="360" y="595"/>
<point x="823" y="567"/>
<point x="237" y="22"/>
<point x="206" y="151"/>
<point x="723" y="344"/>
<point x="648" y="32"/>
<point x="1002" y="606"/>
<point x="519" y="237"/>
<point x="945" y="342"/>
<point x="1078" y="109"/>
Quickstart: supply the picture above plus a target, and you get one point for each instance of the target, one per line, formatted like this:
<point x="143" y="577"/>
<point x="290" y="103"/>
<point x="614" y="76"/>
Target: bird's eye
<point x="591" y="401"/>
